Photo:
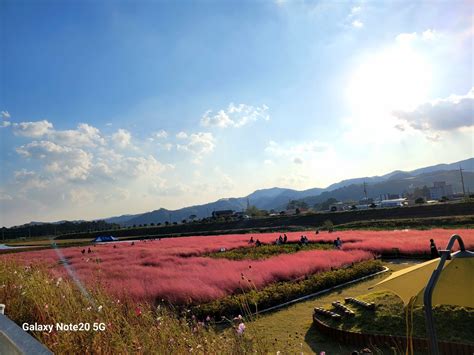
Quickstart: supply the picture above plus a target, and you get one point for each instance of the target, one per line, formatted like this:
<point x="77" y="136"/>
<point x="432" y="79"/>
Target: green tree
<point x="254" y="212"/>
<point x="420" y="200"/>
<point x="324" y="206"/>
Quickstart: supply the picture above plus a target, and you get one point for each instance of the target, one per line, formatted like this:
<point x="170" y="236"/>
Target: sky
<point x="118" y="107"/>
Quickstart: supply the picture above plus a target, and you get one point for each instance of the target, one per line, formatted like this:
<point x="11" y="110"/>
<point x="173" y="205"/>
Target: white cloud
<point x="298" y="160"/>
<point x="235" y="116"/>
<point x="66" y="162"/>
<point x="142" y="167"/>
<point x="182" y="135"/>
<point x="32" y="129"/>
<point x="160" y="134"/>
<point x="84" y="136"/>
<point x="5" y="115"/>
<point x="5" y="124"/>
<point x="28" y="179"/>
<point x="268" y="162"/>
<point x="355" y="10"/>
<point x="82" y="196"/>
<point x="410" y="38"/>
<point x="199" y="144"/>
<point x="81" y="167"/>
<point x="122" y="138"/>
<point x="429" y="35"/>
<point x="451" y="113"/>
<point x="357" y="24"/>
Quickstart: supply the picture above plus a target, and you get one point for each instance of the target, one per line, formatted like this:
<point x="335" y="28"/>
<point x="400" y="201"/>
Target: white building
<point x="440" y="189"/>
<point x="397" y="202"/>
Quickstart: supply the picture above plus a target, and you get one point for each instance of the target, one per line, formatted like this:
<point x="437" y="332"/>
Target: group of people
<point x="257" y="243"/>
<point x="281" y="240"/>
<point x="304" y="240"/>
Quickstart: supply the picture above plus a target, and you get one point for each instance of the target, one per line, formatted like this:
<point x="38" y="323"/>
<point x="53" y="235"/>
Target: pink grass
<point x="173" y="269"/>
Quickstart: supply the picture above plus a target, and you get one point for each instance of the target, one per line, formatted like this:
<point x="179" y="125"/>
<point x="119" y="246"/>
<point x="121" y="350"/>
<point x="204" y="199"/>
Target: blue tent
<point x="105" y="238"/>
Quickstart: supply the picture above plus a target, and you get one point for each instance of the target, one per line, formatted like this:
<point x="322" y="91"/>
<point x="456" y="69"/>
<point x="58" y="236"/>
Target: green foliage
<point x="452" y="323"/>
<point x="281" y="292"/>
<point x="254" y="212"/>
<point x="328" y="225"/>
<point x="324" y="206"/>
<point x="420" y="200"/>
<point x="266" y="251"/>
<point x="297" y="204"/>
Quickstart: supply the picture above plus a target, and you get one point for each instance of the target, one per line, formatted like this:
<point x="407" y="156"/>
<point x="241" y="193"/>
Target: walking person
<point x="433" y="250"/>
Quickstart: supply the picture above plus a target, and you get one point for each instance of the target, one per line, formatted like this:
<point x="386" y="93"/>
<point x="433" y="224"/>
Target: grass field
<point x="267" y="251"/>
<point x="452" y="323"/>
<point x="292" y="327"/>
<point x="179" y="272"/>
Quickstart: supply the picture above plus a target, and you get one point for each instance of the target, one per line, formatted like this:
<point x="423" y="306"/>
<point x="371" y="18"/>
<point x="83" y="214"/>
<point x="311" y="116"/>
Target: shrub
<point x="281" y="292"/>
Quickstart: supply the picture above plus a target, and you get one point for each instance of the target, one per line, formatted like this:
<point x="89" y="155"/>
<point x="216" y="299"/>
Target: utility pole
<point x="365" y="193"/>
<point x="462" y="181"/>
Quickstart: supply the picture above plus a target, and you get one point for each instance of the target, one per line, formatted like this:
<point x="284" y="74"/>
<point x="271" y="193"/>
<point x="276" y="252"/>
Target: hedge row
<point x="253" y="300"/>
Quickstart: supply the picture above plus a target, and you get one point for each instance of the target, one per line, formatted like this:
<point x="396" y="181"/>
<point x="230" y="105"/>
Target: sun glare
<point x="392" y="79"/>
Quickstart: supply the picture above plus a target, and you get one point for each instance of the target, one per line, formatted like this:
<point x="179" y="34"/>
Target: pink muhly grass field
<point x="407" y="241"/>
<point x="173" y="268"/>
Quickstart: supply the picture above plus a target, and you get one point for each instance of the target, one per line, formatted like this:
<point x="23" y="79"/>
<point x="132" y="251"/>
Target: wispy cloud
<point x="235" y="116"/>
<point x="357" y="24"/>
<point x="199" y="144"/>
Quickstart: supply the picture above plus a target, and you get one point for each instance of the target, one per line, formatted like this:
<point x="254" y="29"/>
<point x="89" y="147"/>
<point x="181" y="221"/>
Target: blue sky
<point x="123" y="107"/>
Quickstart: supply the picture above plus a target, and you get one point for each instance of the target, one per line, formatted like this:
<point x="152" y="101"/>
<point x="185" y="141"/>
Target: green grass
<point x="452" y="323"/>
<point x="292" y="327"/>
<point x="266" y="251"/>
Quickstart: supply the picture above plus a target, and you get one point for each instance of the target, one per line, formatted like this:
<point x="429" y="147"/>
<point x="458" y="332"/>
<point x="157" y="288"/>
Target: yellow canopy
<point x="455" y="285"/>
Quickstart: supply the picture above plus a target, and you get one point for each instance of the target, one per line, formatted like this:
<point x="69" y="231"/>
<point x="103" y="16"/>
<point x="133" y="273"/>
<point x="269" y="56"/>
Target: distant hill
<point x="467" y="165"/>
<point x="277" y="198"/>
<point x="395" y="185"/>
<point x="262" y="199"/>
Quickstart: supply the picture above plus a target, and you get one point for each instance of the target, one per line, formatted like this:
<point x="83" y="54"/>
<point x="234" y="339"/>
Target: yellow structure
<point x="455" y="285"/>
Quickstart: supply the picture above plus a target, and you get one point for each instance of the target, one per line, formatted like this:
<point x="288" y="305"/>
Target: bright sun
<point x="396" y="78"/>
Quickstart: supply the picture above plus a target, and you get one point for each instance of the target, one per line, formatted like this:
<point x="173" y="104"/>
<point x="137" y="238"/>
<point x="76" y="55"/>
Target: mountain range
<point x="277" y="198"/>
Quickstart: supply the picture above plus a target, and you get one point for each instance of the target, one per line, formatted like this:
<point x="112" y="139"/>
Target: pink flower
<point x="138" y="311"/>
<point x="241" y="328"/>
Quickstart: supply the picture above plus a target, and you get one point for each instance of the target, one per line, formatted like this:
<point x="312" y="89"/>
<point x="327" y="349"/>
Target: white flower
<point x="241" y="328"/>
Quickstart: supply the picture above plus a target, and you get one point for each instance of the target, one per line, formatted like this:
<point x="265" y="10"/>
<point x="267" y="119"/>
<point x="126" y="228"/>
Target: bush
<point x="280" y="292"/>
